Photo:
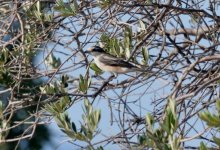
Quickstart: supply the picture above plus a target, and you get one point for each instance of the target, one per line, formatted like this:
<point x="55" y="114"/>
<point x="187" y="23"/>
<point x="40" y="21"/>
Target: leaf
<point x="100" y="148"/>
<point x="174" y="142"/>
<point x="211" y="120"/>
<point x="74" y="127"/>
<point x="104" y="3"/>
<point x="141" y="139"/>
<point x="53" y="61"/>
<point x="80" y="136"/>
<point x="216" y="140"/>
<point x="127" y="53"/>
<point x="114" y="47"/>
<point x="4" y="56"/>
<point x="142" y="26"/>
<point x="5" y="76"/>
<point x="89" y="81"/>
<point x="1" y="110"/>
<point x="84" y="83"/>
<point x="66" y="9"/>
<point x="81" y="83"/>
<point x="95" y="68"/>
<point x="172" y="106"/>
<point x="218" y="105"/>
<point x="171" y="122"/>
<point x="202" y="146"/>
<point x="127" y="41"/>
<point x="58" y="107"/>
<point x="145" y="55"/>
<point x="149" y="120"/>
<point x="97" y="116"/>
<point x="64" y="80"/>
<point x="49" y="89"/>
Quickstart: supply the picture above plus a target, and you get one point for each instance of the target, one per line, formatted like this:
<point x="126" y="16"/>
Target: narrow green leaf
<point x="216" y="140"/>
<point x="100" y="148"/>
<point x="218" y="105"/>
<point x="211" y="120"/>
<point x="142" y="26"/>
<point x="89" y="81"/>
<point x="74" y="127"/>
<point x="95" y="68"/>
<point x="141" y="139"/>
<point x="66" y="9"/>
<point x="80" y="136"/>
<point x="104" y="3"/>
<point x="1" y="110"/>
<point x="53" y="61"/>
<point x="172" y="106"/>
<point x="82" y="84"/>
<point x="145" y="55"/>
<point x="149" y="120"/>
<point x="202" y="146"/>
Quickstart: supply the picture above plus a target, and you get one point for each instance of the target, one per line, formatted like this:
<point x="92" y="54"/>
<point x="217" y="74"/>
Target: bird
<point x="110" y="63"/>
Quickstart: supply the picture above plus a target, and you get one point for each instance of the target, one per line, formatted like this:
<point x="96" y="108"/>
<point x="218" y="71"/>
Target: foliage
<point x="66" y="9"/>
<point x="212" y="121"/>
<point x="45" y="74"/>
<point x="88" y="127"/>
<point x="20" y="99"/>
<point x="164" y="136"/>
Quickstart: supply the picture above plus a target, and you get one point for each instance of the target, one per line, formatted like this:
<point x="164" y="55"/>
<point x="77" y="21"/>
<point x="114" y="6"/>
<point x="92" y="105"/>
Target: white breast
<point x="99" y="64"/>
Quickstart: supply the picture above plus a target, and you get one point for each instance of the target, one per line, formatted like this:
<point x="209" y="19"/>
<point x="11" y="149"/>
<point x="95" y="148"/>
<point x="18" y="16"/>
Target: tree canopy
<point x="45" y="73"/>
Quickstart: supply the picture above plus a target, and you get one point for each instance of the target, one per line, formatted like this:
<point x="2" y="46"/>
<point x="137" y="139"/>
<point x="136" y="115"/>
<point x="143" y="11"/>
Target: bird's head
<point x="95" y="50"/>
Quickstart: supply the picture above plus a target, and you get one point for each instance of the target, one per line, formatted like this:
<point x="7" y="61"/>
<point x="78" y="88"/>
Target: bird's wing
<point x="114" y="61"/>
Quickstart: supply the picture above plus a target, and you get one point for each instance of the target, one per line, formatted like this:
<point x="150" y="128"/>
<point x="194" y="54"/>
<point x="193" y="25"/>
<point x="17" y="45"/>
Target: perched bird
<point x="110" y="63"/>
